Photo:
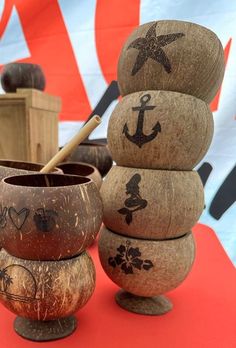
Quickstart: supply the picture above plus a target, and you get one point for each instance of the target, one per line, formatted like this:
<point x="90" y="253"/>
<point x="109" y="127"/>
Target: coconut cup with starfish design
<point x="173" y="56"/>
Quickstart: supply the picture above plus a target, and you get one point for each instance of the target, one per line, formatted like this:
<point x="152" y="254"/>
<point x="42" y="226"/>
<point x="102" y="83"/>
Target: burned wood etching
<point x="45" y="219"/>
<point x="18" y="218"/>
<point x="129" y="258"/>
<point x="150" y="46"/>
<point x="15" y="292"/>
<point x="139" y="138"/>
<point x="135" y="202"/>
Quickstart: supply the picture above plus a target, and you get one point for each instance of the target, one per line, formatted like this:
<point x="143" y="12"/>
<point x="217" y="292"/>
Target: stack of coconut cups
<point x="46" y="275"/>
<point x="168" y="72"/>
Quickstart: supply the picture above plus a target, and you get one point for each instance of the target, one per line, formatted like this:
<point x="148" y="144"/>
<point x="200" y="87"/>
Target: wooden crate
<point x="29" y="125"/>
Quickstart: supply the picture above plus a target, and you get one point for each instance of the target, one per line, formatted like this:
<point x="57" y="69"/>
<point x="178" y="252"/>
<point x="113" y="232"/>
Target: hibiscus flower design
<point x="128" y="258"/>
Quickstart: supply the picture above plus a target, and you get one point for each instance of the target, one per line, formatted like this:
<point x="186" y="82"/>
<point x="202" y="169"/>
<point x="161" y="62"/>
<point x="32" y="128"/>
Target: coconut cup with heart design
<point x="173" y="56"/>
<point x="45" y="294"/>
<point x="82" y="169"/>
<point x="160" y="130"/>
<point x="151" y="204"/>
<point x="145" y="269"/>
<point x="49" y="216"/>
<point x="94" y="153"/>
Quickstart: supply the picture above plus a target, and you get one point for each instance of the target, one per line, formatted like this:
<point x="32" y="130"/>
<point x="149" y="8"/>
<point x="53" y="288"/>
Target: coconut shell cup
<point x="160" y="130"/>
<point x="22" y="75"/>
<point x="45" y="294"/>
<point x="11" y="167"/>
<point x="173" y="56"/>
<point x="49" y="216"/>
<point x="151" y="204"/>
<point x="145" y="269"/>
<point x="96" y="154"/>
<point x="82" y="169"/>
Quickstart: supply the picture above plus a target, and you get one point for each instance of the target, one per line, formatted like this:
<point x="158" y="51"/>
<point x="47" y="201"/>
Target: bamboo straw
<point x="75" y="141"/>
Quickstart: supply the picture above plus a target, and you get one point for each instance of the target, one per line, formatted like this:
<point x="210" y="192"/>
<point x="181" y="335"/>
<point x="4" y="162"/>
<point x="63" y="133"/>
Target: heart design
<point x="18" y="218"/>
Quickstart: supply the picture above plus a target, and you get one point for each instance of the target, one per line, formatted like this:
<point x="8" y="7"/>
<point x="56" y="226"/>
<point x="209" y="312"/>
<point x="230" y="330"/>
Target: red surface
<point x="204" y="313"/>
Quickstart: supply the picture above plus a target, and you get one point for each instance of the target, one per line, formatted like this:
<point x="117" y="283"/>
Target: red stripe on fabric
<point x="215" y="102"/>
<point x="115" y="20"/>
<point x="50" y="47"/>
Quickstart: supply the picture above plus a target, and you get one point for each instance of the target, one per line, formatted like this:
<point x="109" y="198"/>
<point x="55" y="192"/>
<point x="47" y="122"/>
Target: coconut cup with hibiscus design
<point x="49" y="216"/>
<point x="45" y="294"/>
<point x="145" y="269"/>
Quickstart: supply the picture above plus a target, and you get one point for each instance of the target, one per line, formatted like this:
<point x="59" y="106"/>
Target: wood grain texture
<point x="163" y="204"/>
<point x="186" y="130"/>
<point x="29" y="125"/>
<point x="49" y="223"/>
<point x="155" y="267"/>
<point x="174" y="56"/>
<point x="41" y="290"/>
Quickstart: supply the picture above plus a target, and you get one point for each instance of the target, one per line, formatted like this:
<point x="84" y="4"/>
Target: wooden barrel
<point x="151" y="204"/>
<point x="146" y="267"/>
<point x="172" y="55"/>
<point x="160" y="130"/>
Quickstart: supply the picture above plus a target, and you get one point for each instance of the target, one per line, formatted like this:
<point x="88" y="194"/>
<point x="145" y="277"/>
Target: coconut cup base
<point x="40" y="331"/>
<point x="157" y="305"/>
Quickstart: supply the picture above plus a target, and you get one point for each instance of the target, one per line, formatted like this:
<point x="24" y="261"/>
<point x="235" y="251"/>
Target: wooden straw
<point x="75" y="141"/>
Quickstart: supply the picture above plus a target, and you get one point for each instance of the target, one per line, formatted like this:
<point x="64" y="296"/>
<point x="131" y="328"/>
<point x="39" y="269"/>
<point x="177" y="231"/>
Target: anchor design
<point x="139" y="138"/>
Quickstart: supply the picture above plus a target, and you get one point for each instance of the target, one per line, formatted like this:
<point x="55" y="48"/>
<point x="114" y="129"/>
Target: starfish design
<point x="150" y="46"/>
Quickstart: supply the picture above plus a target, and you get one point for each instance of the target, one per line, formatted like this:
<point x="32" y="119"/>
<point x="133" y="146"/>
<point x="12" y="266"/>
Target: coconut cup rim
<point x="79" y="181"/>
<point x="202" y="27"/>
<point x="154" y="170"/>
<point x="141" y="240"/>
<point x="162" y="91"/>
<point x="30" y="64"/>
<point x="50" y="262"/>
<point x="5" y="162"/>
<point x="78" y="164"/>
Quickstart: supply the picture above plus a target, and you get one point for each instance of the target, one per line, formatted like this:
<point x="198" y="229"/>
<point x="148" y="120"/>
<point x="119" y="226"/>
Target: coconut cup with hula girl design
<point x="145" y="269"/>
<point x="45" y="294"/>
<point x="151" y="204"/>
<point x="48" y="216"/>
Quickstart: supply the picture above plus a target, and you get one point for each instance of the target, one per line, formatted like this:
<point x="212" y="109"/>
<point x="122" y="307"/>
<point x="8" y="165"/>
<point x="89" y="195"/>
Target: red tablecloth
<point x="204" y="313"/>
